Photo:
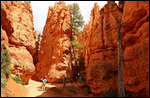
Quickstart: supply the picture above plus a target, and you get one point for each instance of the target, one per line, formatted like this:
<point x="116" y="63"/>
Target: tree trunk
<point x="73" y="50"/>
<point x="121" y="91"/>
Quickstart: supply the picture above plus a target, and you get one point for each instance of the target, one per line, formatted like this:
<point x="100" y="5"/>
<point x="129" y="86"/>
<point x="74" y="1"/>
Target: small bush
<point x="18" y="80"/>
<point x="76" y="45"/>
<point x="89" y="90"/>
<point x="72" y="90"/>
<point x="5" y="67"/>
<point x="3" y="82"/>
<point x="111" y="93"/>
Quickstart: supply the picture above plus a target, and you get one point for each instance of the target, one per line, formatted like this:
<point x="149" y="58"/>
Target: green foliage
<point x="18" y="80"/>
<point x="5" y="67"/>
<point x="79" y="34"/>
<point x="76" y="45"/>
<point x="72" y="90"/>
<point x="89" y="90"/>
<point x="3" y="82"/>
<point x="111" y="93"/>
<point x="127" y="93"/>
<point x="77" y="18"/>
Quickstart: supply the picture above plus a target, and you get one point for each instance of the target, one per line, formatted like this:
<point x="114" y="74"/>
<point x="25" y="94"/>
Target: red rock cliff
<point x="102" y="67"/>
<point x="135" y="40"/>
<point x="102" y="47"/>
<point x="18" y="33"/>
<point x="54" y="55"/>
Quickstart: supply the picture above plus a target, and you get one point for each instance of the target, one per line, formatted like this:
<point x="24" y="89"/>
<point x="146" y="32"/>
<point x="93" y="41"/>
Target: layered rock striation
<point x="18" y="36"/>
<point x="55" y="49"/>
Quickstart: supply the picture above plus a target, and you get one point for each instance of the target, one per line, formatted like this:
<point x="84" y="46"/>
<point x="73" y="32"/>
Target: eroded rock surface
<point x="102" y="67"/>
<point x="135" y="35"/>
<point x="54" y="55"/>
<point x="17" y="26"/>
<point x="102" y="44"/>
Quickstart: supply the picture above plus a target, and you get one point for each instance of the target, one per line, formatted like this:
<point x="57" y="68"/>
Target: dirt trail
<point x="51" y="90"/>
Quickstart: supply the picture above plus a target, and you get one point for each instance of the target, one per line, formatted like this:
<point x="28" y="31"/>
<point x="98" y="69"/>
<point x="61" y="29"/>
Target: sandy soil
<point x="33" y="89"/>
<point x="55" y="90"/>
<point x="13" y="89"/>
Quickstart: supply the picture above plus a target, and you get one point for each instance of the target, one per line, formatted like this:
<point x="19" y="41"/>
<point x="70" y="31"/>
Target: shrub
<point x="18" y="80"/>
<point x="111" y="93"/>
<point x="5" y="63"/>
<point x="72" y="90"/>
<point x="5" y="67"/>
<point x="89" y="90"/>
<point x="3" y="82"/>
<point x="76" y="45"/>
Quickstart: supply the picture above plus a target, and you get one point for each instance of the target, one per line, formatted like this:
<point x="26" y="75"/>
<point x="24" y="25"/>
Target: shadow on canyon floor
<point x="69" y="91"/>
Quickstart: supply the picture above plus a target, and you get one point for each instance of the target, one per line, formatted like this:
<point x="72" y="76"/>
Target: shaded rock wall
<point x="102" y="67"/>
<point x="102" y="51"/>
<point x="54" y="56"/>
<point x="18" y="33"/>
<point x="135" y="42"/>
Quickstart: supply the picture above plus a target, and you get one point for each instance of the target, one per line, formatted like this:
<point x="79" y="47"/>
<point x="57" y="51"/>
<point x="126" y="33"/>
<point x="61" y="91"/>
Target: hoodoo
<point x="99" y="39"/>
<point x="102" y="48"/>
<point x="54" y="55"/>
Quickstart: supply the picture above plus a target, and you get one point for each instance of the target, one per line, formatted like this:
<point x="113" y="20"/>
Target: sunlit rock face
<point x="54" y="55"/>
<point x="18" y="32"/>
<point x="135" y="42"/>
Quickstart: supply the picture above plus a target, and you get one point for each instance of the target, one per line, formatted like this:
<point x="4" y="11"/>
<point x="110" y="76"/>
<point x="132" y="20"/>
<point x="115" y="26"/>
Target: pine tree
<point x="76" y="23"/>
<point x="77" y="18"/>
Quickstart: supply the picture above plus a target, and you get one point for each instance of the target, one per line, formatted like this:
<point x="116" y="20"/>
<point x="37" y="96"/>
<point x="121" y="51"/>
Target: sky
<point x="40" y="11"/>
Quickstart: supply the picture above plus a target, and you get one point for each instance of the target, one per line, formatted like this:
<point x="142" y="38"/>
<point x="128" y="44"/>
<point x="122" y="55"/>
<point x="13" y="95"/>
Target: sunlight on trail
<point x="34" y="87"/>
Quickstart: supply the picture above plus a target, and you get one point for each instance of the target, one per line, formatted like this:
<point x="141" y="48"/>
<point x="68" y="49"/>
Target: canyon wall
<point x="18" y="36"/>
<point x="55" y="49"/>
<point x="102" y="48"/>
<point x="100" y="43"/>
<point x="135" y="42"/>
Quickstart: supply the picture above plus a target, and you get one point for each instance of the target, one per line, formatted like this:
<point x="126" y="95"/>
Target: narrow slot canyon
<point x="92" y="67"/>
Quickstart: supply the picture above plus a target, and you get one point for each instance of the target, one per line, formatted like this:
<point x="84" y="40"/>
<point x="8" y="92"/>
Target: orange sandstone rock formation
<point x="17" y="25"/>
<point x="54" y="55"/>
<point x="102" y="47"/>
<point x="102" y="67"/>
<point x="135" y="40"/>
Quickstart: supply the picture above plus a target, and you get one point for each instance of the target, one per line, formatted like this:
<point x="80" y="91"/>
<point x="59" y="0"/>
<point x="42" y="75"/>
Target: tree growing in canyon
<point x="76" y="23"/>
<point x="5" y="66"/>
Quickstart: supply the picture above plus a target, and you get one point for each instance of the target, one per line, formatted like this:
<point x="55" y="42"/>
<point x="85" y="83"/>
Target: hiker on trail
<point x="80" y="79"/>
<point x="71" y="79"/>
<point x="76" y="79"/>
<point x="44" y="83"/>
<point x="64" y="80"/>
